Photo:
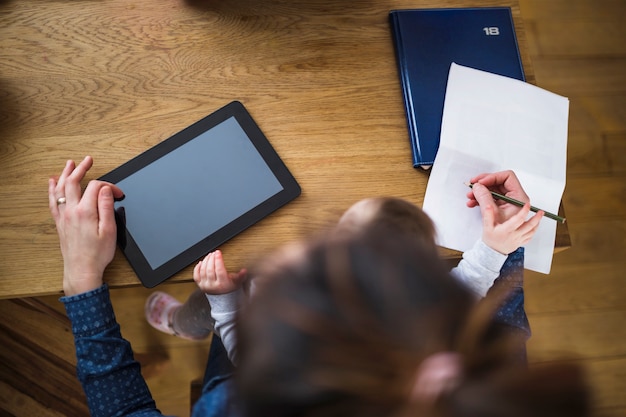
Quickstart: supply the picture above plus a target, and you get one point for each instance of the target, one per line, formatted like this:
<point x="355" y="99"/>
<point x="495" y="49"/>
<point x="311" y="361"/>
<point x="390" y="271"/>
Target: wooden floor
<point x="578" y="49"/>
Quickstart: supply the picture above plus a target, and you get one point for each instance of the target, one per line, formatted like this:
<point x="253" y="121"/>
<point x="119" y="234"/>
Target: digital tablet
<point x="192" y="192"/>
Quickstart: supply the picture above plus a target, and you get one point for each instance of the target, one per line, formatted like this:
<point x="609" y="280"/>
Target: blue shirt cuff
<point x="90" y="312"/>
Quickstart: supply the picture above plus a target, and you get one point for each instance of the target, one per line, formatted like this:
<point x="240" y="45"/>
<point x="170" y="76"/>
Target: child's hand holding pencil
<point x="505" y="186"/>
<point x="504" y="207"/>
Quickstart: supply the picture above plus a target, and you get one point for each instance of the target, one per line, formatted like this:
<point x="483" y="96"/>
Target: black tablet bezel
<point x="151" y="277"/>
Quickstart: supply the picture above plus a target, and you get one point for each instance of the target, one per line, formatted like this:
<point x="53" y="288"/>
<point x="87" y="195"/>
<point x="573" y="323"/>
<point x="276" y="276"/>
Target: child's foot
<point x="159" y="310"/>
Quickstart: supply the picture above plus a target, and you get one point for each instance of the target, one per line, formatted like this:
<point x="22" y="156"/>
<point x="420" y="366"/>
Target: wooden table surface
<point x="112" y="78"/>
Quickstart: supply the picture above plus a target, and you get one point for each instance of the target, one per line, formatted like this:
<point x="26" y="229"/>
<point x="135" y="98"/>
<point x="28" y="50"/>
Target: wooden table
<point x="112" y="78"/>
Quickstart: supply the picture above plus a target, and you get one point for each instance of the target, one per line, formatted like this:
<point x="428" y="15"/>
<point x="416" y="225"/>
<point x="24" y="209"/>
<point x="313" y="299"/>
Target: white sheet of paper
<point x="493" y="123"/>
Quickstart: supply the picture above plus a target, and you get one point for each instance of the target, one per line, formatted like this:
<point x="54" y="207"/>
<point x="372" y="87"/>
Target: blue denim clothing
<point x="511" y="315"/>
<point x="108" y="372"/>
<point x="216" y="399"/>
<point x="112" y="380"/>
<point x="217" y="394"/>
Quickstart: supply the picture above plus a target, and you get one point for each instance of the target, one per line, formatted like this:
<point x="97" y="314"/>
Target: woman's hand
<point x="86" y="226"/>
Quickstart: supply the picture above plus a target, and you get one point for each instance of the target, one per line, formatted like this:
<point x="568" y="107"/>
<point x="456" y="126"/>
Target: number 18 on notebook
<point x="426" y="42"/>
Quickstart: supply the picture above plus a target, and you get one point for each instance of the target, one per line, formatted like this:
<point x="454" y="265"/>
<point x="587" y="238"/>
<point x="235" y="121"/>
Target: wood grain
<point x="38" y="374"/>
<point x="111" y="79"/>
<point x="578" y="50"/>
<point x="573" y="287"/>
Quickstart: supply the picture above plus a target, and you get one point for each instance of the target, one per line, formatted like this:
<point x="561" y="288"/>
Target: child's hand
<point x="505" y="183"/>
<point x="212" y="278"/>
<point x="505" y="227"/>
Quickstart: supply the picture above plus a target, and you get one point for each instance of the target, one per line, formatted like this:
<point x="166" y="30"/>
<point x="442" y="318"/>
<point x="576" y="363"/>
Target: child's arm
<point x="223" y="290"/>
<point x="479" y="268"/>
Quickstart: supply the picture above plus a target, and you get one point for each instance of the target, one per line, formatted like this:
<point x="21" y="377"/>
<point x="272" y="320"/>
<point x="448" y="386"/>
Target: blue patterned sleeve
<point x="107" y="370"/>
<point x="511" y="314"/>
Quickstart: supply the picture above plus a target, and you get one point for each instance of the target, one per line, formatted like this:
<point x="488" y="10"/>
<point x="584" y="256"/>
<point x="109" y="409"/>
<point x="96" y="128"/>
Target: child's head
<point x="391" y="213"/>
<point x="344" y="318"/>
<point x="341" y="326"/>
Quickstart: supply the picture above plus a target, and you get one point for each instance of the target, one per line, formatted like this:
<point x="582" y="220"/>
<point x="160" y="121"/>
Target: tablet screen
<point x="224" y="177"/>
<point x="195" y="190"/>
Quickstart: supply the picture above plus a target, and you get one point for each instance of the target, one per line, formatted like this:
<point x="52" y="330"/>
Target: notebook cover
<point x="427" y="41"/>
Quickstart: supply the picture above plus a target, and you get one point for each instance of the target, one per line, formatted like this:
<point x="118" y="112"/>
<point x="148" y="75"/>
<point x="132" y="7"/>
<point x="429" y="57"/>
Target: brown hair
<point x="393" y="215"/>
<point x="398" y="215"/>
<point x="343" y="330"/>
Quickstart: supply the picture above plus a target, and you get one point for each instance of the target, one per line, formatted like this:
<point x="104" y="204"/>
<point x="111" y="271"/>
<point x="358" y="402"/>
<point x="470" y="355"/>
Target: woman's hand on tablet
<point x="212" y="277"/>
<point x="86" y="226"/>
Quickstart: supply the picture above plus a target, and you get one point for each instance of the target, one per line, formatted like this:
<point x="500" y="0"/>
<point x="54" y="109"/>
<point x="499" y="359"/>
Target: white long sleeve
<point x="479" y="268"/>
<point x="224" y="309"/>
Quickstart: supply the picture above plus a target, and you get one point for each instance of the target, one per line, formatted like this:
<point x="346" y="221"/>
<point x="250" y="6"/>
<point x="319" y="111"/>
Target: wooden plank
<point x="598" y="114"/>
<point x="26" y="355"/>
<point x="577" y="335"/>
<point x="557" y="10"/>
<point x="592" y="154"/>
<point x="595" y="197"/>
<point x="592" y="38"/>
<point x="43" y="331"/>
<point x="616" y="153"/>
<point x="607" y="381"/>
<point x="576" y="77"/>
<point x="571" y="288"/>
<point x="610" y="412"/>
<point x="561" y="28"/>
<point x="16" y="403"/>
<point x="595" y="242"/>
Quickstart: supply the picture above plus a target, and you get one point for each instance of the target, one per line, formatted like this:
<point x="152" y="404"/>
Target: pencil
<point x="521" y="204"/>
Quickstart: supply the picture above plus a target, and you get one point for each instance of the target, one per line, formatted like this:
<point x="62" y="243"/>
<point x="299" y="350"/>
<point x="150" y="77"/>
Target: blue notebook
<point x="427" y="41"/>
